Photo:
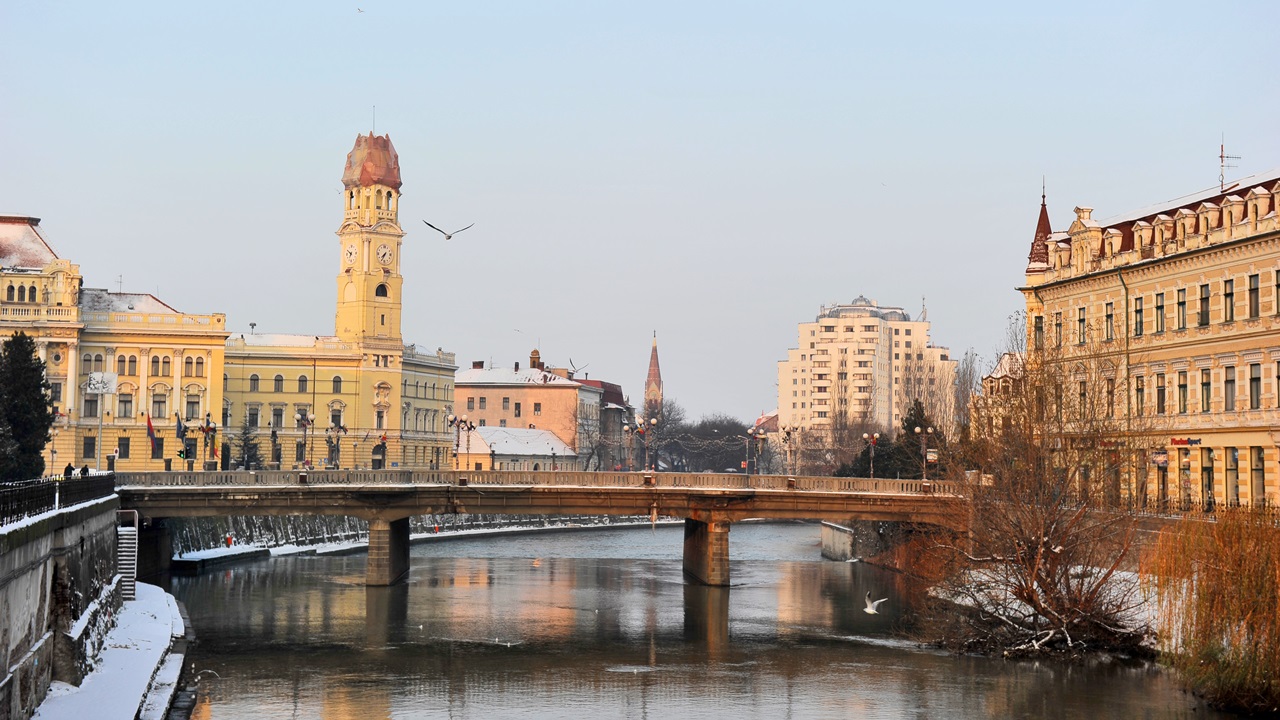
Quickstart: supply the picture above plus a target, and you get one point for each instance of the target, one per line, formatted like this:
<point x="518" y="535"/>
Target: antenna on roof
<point x="1223" y="157"/>
<point x="120" y="283"/>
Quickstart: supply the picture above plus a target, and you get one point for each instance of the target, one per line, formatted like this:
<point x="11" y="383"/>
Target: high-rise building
<point x="863" y="363"/>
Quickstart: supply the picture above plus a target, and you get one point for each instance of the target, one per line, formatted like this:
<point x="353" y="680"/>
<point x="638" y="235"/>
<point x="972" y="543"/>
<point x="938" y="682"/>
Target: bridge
<point x="709" y="503"/>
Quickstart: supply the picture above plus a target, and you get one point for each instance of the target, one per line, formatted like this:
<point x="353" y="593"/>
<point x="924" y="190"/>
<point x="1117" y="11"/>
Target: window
<point x="253" y="383"/>
<point x="1254" y="300"/>
<point x="9" y="294"/>
<point x="484" y="403"/>
<point x="97" y="363"/>
<point x="300" y="452"/>
<point x="277" y="384"/>
<point x="164" y="367"/>
<point x="1111" y="397"/>
<point x="1229" y="389"/>
<point x="537" y="408"/>
<point x="1082" y="399"/>
<point x="335" y="418"/>
<point x="90" y="447"/>
<point x="337" y="385"/>
<point x="506" y="404"/>
<point x="1137" y="317"/>
<point x="1255" y="386"/>
<point x="157" y="448"/>
<point x="517" y="410"/>
<point x="124" y="402"/>
<point x="122" y="448"/>
<point x="55" y="392"/>
<point x="120" y="367"/>
<point x="193" y="407"/>
<point x="226" y="416"/>
<point x="380" y="291"/>
<point x="1159" y="312"/>
<point x="502" y="423"/>
<point x="90" y="406"/>
<point x="1160" y="407"/>
<point x="1206" y="391"/>
<point x="159" y="405"/>
<point x="199" y="366"/>
<point x="378" y="419"/>
<point x="1228" y="300"/>
<point x="1139" y="395"/>
<point x="1110" y="322"/>
<point x="482" y="423"/>
<point x="1182" y="309"/>
<point x="302" y="383"/>
<point x="1039" y="332"/>
<point x="253" y="417"/>
<point x="1182" y="392"/>
<point x="155" y="364"/>
<point x="277" y="417"/>
<point x="133" y="364"/>
<point x="1080" y="325"/>
<point x="1203" y="310"/>
<point x="189" y="367"/>
<point x="471" y="403"/>
<point x="1057" y="328"/>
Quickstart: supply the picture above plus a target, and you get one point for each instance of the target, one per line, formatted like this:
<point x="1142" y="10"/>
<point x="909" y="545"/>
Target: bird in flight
<point x="870" y="609"/>
<point x="359" y="10"/>
<point x="447" y="236"/>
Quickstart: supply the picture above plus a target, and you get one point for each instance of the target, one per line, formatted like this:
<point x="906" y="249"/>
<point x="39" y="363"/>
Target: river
<point x="602" y="624"/>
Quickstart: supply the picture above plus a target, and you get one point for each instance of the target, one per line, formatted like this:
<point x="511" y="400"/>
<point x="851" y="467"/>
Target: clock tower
<point x="369" y="240"/>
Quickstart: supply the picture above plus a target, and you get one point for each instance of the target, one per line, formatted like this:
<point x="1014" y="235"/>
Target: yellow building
<point x="1182" y="299"/>
<point x="359" y="397"/>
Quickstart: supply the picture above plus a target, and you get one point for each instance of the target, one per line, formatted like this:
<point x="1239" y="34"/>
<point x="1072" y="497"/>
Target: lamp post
<point x="630" y="433"/>
<point x="306" y="421"/>
<point x="870" y="439"/>
<point x="53" y="452"/>
<point x="459" y="424"/>
<point x="647" y="429"/>
<point x="333" y="439"/>
<point x="924" y="433"/>
<point x="758" y="435"/>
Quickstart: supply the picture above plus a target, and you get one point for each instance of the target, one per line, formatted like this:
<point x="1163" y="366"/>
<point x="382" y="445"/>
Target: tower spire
<point x="1038" y="258"/>
<point x="653" y="383"/>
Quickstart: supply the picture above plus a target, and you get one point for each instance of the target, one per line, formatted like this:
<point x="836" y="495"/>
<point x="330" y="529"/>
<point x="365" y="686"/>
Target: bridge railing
<point x="23" y="499"/>
<point x="709" y="481"/>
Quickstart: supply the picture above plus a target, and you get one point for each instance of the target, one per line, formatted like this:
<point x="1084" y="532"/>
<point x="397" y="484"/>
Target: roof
<point x="612" y="391"/>
<point x="1038" y="259"/>
<point x="373" y="161"/>
<point x="521" y="441"/>
<point x="1212" y="194"/>
<point x="1009" y="365"/>
<point x="508" y="376"/>
<point x="99" y="300"/>
<point x="21" y="244"/>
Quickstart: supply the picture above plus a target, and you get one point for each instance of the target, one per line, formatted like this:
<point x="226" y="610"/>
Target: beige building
<point x="864" y="364"/>
<point x="1181" y="297"/>
<point x="514" y="448"/>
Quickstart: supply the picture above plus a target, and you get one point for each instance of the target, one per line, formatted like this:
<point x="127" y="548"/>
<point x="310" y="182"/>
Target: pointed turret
<point x="653" y="383"/>
<point x="1038" y="258"/>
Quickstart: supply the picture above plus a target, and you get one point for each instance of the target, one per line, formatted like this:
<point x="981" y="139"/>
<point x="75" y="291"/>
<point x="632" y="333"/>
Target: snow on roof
<point x="21" y="244"/>
<point x="523" y="441"/>
<point x="1195" y="197"/>
<point x="99" y="300"/>
<point x="1010" y="365"/>
<point x="281" y="339"/>
<point x="507" y="376"/>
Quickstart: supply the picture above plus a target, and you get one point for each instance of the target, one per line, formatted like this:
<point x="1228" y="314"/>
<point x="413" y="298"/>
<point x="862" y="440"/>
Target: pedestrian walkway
<point x="130" y="657"/>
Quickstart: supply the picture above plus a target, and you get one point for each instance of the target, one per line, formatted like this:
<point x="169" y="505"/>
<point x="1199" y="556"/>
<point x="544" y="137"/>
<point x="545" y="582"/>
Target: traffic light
<point x="182" y="453"/>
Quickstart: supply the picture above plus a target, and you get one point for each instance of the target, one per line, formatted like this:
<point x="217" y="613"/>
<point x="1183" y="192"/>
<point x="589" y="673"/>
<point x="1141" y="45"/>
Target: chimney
<point x="517" y="366"/>
<point x="477" y="364"/>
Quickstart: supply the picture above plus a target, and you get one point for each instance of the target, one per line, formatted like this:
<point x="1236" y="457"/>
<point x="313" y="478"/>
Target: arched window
<point x="337" y="385"/>
<point x="278" y="384"/>
<point x="10" y="293"/>
<point x="22" y="294"/>
<point x="133" y="364"/>
<point x="164" y="367"/>
<point x="253" y="383"/>
<point x="390" y="195"/>
<point x="302" y="383"/>
<point x="31" y="294"/>
<point x="120" y="366"/>
<point x="97" y="363"/>
<point x="199" y="367"/>
<point x="378" y="202"/>
<point x="155" y="364"/>
<point x="226" y="382"/>
<point x="188" y="367"/>
<point x="351" y="201"/>
<point x="381" y="290"/>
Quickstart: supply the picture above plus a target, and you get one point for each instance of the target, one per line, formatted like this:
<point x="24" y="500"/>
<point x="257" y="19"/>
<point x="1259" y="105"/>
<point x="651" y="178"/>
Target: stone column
<point x="388" y="552"/>
<point x="706" y="551"/>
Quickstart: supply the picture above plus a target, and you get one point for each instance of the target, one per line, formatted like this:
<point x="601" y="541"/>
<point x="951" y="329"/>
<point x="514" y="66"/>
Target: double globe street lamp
<point x="924" y="434"/>
<point x="306" y="421"/>
<point x="459" y="424"/>
<point x="871" y="439"/>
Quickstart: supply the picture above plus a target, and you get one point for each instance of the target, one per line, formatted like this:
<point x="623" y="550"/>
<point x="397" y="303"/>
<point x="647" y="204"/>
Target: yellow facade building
<point x="1182" y="299"/>
<point x="360" y="397"/>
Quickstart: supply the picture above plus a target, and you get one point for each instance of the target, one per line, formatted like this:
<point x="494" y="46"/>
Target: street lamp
<point x="459" y="424"/>
<point x="647" y="429"/>
<point x="333" y="439"/>
<point x="306" y="421"/>
<point x="757" y="434"/>
<point x="630" y="433"/>
<point x="924" y="433"/>
<point x="871" y="439"/>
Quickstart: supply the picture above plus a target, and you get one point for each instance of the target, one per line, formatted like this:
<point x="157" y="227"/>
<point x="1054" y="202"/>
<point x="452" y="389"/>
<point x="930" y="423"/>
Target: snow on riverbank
<point x="132" y="651"/>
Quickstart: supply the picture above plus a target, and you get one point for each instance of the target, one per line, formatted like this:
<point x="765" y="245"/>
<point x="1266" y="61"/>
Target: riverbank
<point x="136" y="672"/>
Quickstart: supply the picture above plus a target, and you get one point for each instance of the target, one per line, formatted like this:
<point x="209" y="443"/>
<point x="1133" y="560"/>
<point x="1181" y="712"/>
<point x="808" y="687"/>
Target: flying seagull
<point x="447" y="236"/>
<point x="870" y="609"/>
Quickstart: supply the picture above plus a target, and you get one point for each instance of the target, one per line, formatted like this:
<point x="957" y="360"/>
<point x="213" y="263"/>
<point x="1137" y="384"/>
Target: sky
<point x="713" y="172"/>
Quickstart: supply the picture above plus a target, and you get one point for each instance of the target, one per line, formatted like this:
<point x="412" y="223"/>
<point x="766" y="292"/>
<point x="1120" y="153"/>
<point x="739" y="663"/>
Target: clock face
<point x="384" y="254"/>
<point x="351" y="254"/>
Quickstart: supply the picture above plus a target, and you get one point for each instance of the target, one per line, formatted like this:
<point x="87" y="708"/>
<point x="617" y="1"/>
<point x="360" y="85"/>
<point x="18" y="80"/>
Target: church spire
<point x="653" y="383"/>
<point x="1038" y="258"/>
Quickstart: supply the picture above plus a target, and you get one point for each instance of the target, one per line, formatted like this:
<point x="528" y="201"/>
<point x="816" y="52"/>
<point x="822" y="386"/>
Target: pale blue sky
<point x="714" y="171"/>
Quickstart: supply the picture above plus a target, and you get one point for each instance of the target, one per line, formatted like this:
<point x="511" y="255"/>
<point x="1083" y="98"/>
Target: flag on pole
<point x="181" y="429"/>
<point x="151" y="434"/>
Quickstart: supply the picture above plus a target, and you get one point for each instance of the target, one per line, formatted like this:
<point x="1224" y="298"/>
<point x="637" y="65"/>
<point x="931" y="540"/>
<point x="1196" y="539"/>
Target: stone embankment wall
<point x="860" y="539"/>
<point x="58" y="596"/>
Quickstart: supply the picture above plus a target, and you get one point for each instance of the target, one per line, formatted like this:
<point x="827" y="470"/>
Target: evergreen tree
<point x="24" y="409"/>
<point x="246" y="446"/>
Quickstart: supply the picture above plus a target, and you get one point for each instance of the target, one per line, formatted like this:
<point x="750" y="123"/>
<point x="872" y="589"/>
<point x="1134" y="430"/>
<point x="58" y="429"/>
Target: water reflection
<point x="564" y="629"/>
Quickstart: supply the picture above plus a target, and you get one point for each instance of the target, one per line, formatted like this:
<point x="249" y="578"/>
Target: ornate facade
<point x="1182" y="299"/>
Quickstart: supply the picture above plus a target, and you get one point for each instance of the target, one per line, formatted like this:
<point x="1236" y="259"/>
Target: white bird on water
<point x="870" y="609"/>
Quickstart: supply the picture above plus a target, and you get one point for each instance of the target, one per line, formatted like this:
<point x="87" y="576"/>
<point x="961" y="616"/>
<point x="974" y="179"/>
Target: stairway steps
<point x="127" y="561"/>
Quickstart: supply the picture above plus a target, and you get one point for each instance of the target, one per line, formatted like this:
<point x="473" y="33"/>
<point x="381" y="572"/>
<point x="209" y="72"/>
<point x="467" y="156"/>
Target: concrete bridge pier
<point x="388" y="552"/>
<point x="706" y="551"/>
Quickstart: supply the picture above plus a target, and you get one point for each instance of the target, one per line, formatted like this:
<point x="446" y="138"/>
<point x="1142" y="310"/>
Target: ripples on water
<point x="602" y="624"/>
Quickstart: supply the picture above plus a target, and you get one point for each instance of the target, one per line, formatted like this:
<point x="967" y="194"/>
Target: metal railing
<point x="31" y="497"/>
<point x="707" y="481"/>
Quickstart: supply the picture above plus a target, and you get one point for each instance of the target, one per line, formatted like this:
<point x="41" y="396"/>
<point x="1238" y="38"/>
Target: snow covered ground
<point x="129" y="659"/>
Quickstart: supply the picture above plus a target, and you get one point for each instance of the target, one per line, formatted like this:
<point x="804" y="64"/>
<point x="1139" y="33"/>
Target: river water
<point x="602" y="624"/>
